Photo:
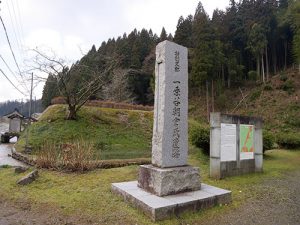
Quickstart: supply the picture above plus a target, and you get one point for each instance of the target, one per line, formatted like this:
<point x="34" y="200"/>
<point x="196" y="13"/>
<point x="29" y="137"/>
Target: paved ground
<point x="5" y="149"/>
<point x="277" y="204"/>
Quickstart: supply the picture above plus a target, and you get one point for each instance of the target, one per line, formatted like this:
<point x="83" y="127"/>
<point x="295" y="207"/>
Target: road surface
<point x="5" y="149"/>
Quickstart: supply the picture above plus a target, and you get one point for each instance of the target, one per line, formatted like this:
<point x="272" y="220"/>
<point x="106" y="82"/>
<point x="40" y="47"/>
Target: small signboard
<point x="228" y="142"/>
<point x="246" y="141"/>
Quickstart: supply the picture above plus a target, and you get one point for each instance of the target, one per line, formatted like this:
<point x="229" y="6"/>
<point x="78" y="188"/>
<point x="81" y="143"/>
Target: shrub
<point x="283" y="76"/>
<point x="252" y="75"/>
<point x="288" y="140"/>
<point x="293" y="121"/>
<point x="268" y="141"/>
<point x="221" y="101"/>
<point x="268" y="87"/>
<point x="74" y="156"/>
<point x="199" y="136"/>
<point x="255" y="95"/>
<point x="288" y="86"/>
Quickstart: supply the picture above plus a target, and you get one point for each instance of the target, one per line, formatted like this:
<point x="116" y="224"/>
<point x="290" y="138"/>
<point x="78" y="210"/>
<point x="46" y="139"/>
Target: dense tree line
<point x="23" y="107"/>
<point x="250" y="40"/>
<point x="130" y="80"/>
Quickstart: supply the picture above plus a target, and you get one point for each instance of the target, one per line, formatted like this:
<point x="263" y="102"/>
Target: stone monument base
<point x="159" y="208"/>
<point x="168" y="181"/>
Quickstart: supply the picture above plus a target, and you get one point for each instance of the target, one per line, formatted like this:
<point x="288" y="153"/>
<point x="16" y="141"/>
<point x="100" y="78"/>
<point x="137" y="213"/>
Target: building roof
<point x="14" y="114"/>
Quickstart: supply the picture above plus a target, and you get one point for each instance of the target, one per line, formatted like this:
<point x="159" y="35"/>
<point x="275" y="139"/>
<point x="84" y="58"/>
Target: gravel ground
<point x="278" y="203"/>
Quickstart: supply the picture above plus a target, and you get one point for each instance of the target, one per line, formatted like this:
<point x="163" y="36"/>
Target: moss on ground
<point x="89" y="194"/>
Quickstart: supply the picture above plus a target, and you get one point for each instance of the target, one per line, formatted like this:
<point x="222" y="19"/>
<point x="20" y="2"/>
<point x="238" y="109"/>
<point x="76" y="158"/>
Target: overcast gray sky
<point x="71" y="27"/>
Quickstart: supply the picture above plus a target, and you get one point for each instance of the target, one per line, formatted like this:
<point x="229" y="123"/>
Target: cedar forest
<point x="250" y="41"/>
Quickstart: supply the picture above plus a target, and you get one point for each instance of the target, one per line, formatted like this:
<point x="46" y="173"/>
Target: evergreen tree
<point x="256" y="44"/>
<point x="49" y="91"/>
<point x="295" y="24"/>
<point x="163" y="35"/>
<point x="202" y="62"/>
<point x="183" y="33"/>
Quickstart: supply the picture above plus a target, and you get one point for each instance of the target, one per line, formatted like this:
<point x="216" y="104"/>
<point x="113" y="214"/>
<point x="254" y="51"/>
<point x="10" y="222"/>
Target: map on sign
<point x="246" y="141"/>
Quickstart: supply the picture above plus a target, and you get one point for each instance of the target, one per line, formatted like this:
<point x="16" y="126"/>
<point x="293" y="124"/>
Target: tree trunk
<point x="274" y="61"/>
<point x="72" y="113"/>
<point x="285" y="53"/>
<point x="212" y="96"/>
<point x="207" y="103"/>
<point x="263" y="68"/>
<point x="223" y="75"/>
<point x="228" y="81"/>
<point x="257" y="68"/>
<point x="267" y="63"/>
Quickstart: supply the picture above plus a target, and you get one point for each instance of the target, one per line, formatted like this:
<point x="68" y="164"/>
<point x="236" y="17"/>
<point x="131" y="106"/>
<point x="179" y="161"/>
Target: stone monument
<point x="169" y="185"/>
<point x="169" y="172"/>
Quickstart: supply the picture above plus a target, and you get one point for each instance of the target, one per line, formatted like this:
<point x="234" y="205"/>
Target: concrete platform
<point x="158" y="208"/>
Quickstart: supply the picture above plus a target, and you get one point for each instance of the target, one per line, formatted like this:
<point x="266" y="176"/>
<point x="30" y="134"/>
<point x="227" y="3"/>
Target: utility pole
<point x="34" y="105"/>
<point x="28" y="148"/>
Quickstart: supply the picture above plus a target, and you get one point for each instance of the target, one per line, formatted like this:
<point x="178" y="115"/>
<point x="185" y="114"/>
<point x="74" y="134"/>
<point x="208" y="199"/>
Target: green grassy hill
<point x="114" y="133"/>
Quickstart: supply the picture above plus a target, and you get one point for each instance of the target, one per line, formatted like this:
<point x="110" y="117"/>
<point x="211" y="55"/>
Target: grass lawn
<point x="89" y="194"/>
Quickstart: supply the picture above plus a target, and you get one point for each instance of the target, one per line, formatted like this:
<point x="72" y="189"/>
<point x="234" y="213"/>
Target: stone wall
<point x="227" y="157"/>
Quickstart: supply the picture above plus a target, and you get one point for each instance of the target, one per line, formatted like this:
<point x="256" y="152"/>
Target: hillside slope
<point x="114" y="133"/>
<point x="277" y="102"/>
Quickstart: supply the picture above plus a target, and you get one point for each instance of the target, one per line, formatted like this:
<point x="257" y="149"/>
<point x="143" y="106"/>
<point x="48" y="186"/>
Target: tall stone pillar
<point x="169" y="172"/>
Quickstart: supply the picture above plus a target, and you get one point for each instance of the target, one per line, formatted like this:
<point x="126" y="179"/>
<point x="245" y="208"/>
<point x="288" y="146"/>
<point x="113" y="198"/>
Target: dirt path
<point x="276" y="204"/>
<point x="22" y="213"/>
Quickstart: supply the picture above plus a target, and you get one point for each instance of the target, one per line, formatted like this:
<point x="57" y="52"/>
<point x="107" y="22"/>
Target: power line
<point x="19" y="41"/>
<point x="20" y="19"/>
<point x="22" y="83"/>
<point x="11" y="82"/>
<point x="8" y="67"/>
<point x="12" y="52"/>
<point x="13" y="26"/>
<point x="17" y="21"/>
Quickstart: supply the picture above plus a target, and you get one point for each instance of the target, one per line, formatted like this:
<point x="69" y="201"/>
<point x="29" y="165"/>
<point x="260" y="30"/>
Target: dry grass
<point x="73" y="156"/>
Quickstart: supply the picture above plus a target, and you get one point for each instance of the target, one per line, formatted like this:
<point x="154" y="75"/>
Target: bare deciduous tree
<point x="76" y="83"/>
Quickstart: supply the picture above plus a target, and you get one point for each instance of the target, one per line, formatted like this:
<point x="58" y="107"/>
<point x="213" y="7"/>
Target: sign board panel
<point x="228" y="142"/>
<point x="246" y="141"/>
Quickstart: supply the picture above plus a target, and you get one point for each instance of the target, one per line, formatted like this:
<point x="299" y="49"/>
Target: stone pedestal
<point x="168" y="181"/>
<point x="165" y="207"/>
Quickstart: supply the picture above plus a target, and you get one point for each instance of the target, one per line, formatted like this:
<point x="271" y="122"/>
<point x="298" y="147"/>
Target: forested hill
<point x="23" y="107"/>
<point x="250" y="41"/>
